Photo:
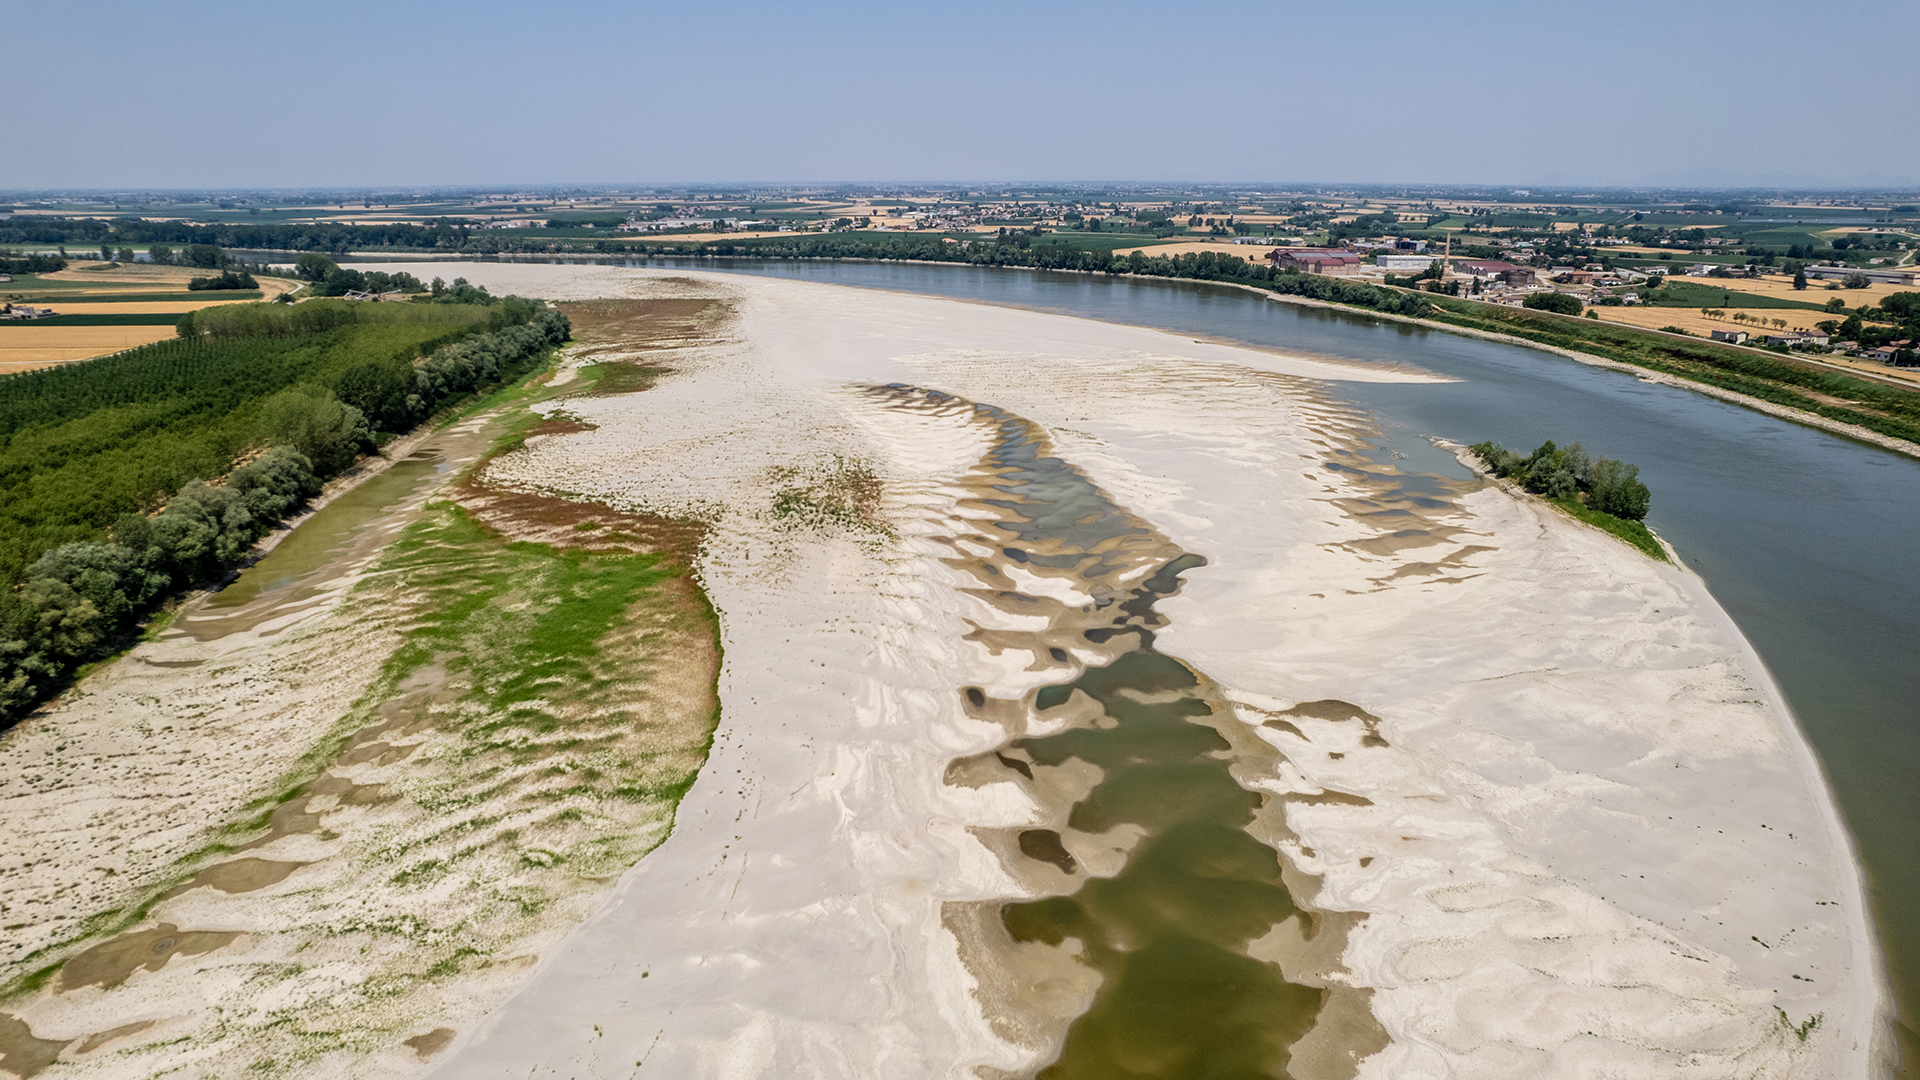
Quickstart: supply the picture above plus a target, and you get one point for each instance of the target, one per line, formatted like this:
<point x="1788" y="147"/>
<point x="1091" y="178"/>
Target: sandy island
<point x="1540" y="808"/>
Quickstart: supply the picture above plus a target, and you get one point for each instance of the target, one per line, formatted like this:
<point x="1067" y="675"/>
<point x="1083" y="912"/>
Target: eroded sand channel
<point x="1486" y="793"/>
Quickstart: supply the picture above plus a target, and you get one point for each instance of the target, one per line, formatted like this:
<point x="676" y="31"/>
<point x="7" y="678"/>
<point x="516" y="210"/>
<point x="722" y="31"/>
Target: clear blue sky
<point x="222" y="93"/>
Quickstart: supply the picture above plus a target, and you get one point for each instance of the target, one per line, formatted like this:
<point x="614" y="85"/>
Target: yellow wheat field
<point x="23" y="348"/>
<point x="1690" y="319"/>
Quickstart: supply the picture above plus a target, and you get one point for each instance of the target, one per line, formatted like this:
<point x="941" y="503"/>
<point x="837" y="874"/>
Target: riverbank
<point x="1798" y="415"/>
<point x="1560" y="782"/>
<point x="316" y="824"/>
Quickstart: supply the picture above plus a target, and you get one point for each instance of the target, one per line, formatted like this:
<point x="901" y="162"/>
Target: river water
<point x="1809" y="540"/>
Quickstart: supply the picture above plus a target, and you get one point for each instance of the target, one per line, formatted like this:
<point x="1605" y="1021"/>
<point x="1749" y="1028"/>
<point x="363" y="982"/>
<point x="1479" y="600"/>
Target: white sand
<point x="1596" y="843"/>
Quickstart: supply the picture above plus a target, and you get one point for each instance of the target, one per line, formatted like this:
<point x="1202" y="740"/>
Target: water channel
<point x="1809" y="540"/>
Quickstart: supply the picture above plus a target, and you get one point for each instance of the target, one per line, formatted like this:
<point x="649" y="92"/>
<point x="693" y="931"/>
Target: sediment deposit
<point x="1068" y="664"/>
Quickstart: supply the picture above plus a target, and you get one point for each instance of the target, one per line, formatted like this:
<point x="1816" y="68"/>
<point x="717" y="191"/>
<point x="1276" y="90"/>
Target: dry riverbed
<point x="1091" y="697"/>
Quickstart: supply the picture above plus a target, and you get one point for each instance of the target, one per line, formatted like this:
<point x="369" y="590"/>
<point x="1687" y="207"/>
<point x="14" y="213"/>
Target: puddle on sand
<point x="23" y="1054"/>
<point x="1158" y="875"/>
<point x="425" y="1046"/>
<point x="239" y="876"/>
<point x="114" y="961"/>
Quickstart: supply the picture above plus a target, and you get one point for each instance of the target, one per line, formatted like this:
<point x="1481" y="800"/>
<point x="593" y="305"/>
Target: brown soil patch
<point x="425" y="1046"/>
<point x="559" y="424"/>
<point x="1757" y="324"/>
<point x="23" y="348"/>
<point x="576" y="526"/>
<point x="616" y="335"/>
<point x="101" y="1038"/>
<point x="1254" y="253"/>
<point x="114" y="961"/>
<point x="629" y="325"/>
<point x="137" y="307"/>
<point x="21" y="1053"/>
<point x="241" y="875"/>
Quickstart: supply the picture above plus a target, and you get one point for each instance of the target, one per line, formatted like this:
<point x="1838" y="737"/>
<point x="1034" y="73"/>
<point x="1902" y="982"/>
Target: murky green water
<point x="1806" y="538"/>
<point x="340" y="538"/>
<point x="322" y="537"/>
<point x="1169" y="929"/>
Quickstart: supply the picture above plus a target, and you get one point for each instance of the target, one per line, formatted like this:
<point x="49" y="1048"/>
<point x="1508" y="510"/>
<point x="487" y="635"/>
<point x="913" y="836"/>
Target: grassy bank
<point x="546" y="709"/>
<point x="1633" y="532"/>
<point x="1780" y="380"/>
<point x="263" y="401"/>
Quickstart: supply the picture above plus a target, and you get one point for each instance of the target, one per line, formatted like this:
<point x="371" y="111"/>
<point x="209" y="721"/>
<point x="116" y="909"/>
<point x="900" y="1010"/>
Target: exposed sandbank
<point x="1592" y="837"/>
<point x="1476" y="724"/>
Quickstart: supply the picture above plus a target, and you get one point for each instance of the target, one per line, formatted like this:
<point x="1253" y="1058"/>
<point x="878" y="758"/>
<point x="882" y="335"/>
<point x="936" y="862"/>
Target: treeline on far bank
<point x="127" y="479"/>
<point x="1019" y="251"/>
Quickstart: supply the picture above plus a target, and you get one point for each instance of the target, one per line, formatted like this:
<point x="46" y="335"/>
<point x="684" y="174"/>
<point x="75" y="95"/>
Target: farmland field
<point x="1726" y="293"/>
<point x="1690" y="319"/>
<point x="24" y="348"/>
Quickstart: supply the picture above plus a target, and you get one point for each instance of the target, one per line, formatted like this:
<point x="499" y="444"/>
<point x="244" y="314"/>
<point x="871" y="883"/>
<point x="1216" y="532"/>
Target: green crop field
<point x="121" y="319"/>
<point x="85" y="442"/>
<point x="29" y="282"/>
<point x="1708" y="292"/>
<point x="136" y="297"/>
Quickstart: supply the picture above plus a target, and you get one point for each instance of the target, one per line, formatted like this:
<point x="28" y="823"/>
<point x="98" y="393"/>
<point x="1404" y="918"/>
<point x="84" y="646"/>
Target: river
<point x="1806" y="538"/>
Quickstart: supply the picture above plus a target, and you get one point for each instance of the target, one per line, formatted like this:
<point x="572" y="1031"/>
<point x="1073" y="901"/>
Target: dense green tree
<point x="205" y="256"/>
<point x="1614" y="487"/>
<point x="1560" y="303"/>
<point x="314" y="266"/>
<point x="226" y="279"/>
<point x="1904" y="306"/>
<point x="329" y="432"/>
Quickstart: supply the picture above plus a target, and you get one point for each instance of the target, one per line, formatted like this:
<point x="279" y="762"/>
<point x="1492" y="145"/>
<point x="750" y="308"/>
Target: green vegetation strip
<point x="1633" y="532"/>
<point x="36" y="297"/>
<point x="567" y="703"/>
<point x="1885" y="410"/>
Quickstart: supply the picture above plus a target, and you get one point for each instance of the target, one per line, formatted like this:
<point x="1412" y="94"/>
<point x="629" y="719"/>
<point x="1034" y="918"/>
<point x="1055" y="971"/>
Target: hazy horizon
<point x="220" y="95"/>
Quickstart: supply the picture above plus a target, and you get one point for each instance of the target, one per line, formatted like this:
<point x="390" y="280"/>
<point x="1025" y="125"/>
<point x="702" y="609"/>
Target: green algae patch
<point x="547" y="707"/>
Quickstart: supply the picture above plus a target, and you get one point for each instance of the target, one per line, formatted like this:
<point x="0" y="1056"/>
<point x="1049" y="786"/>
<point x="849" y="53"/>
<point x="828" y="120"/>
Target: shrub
<point x="225" y="280"/>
